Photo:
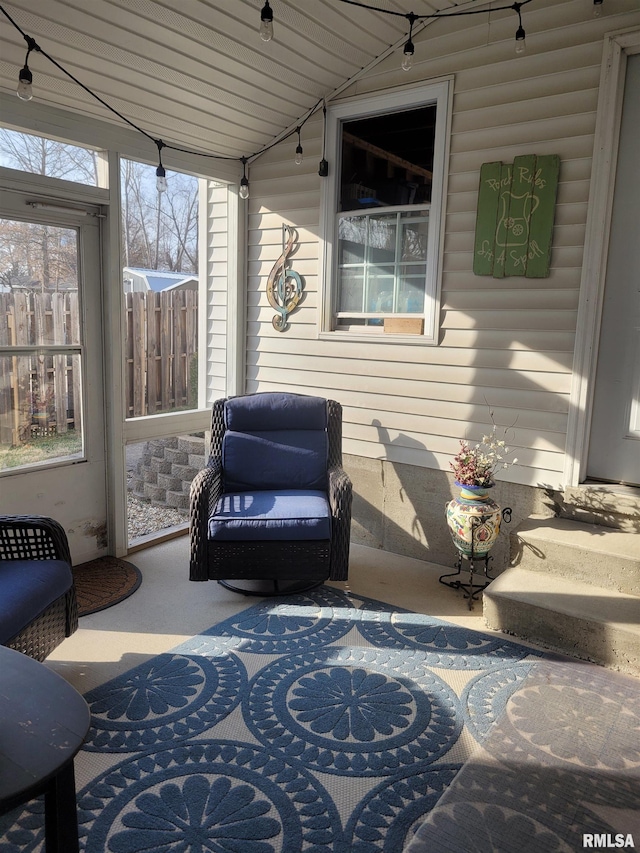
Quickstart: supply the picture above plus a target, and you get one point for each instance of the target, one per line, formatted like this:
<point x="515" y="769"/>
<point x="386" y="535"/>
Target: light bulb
<point x="25" y="89"/>
<point x="161" y="179"/>
<point x="244" y="188"/>
<point x="520" y="41"/>
<point x="266" y="22"/>
<point x="597" y="8"/>
<point x="407" y="59"/>
<point x="298" y="154"/>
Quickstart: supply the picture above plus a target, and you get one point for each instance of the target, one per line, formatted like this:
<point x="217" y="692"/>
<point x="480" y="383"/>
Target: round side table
<point x="43" y="724"/>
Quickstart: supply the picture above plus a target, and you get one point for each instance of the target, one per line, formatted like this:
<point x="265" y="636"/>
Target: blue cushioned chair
<point x="38" y="606"/>
<point x="273" y="503"/>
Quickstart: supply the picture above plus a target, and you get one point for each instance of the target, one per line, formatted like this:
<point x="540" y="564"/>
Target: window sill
<point x="378" y="338"/>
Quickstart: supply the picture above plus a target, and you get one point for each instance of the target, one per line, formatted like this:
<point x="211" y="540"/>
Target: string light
<point x="409" y="49"/>
<point x="25" y="89"/>
<point x="266" y="22"/>
<point x="161" y="175"/>
<point x="520" y="33"/>
<point x="244" y="181"/>
<point x="298" y="149"/>
<point x="25" y="77"/>
<point x="323" y="165"/>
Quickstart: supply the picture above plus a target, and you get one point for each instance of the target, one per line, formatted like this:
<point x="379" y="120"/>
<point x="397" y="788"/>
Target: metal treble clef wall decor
<point x="284" y="286"/>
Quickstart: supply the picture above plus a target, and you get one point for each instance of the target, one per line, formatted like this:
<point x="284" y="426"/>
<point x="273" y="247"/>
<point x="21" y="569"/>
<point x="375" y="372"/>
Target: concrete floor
<point x="168" y="609"/>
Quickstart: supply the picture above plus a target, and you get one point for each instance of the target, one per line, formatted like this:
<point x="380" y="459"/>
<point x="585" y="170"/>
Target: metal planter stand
<point x="472" y="590"/>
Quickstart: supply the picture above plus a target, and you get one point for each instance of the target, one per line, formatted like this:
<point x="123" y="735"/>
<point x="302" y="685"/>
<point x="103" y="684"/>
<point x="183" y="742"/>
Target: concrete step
<point x="597" y="503"/>
<point x="585" y="553"/>
<point x="592" y="623"/>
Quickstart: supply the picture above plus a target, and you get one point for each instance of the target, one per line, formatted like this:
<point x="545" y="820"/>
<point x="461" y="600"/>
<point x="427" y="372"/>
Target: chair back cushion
<point x="275" y="410"/>
<point x="275" y="441"/>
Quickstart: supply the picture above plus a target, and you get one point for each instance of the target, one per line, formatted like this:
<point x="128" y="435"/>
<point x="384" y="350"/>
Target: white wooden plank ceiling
<point x="196" y="73"/>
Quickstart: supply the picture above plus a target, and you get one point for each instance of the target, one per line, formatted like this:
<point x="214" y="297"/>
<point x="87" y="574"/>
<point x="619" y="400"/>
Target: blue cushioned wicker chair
<point x="272" y="508"/>
<point x="38" y="606"/>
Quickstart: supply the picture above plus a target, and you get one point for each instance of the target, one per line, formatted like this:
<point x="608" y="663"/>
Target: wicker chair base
<point x="302" y="562"/>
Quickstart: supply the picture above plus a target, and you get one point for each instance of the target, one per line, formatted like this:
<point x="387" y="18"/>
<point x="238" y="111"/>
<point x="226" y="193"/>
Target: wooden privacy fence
<point x="40" y="393"/>
<point x="161" y="348"/>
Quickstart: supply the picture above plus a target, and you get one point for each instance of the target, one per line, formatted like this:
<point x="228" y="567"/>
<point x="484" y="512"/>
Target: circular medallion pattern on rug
<point x="165" y="699"/>
<point x="300" y="624"/>
<point x="446" y="645"/>
<point x="103" y="582"/>
<point x="354" y="711"/>
<point x="207" y="795"/>
<point x="485" y="697"/>
<point x="387" y="817"/>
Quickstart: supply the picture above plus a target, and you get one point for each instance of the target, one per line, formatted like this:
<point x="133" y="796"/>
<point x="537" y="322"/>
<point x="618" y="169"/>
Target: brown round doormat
<point x="103" y="582"/>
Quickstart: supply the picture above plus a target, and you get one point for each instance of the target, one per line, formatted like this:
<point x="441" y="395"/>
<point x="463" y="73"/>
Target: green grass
<point x="40" y="449"/>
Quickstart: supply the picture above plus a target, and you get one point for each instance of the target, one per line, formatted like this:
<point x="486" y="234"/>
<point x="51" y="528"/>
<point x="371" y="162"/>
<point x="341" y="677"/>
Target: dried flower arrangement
<point x="477" y="465"/>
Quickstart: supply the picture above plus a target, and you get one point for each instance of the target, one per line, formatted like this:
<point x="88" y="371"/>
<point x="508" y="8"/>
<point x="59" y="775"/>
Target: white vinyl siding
<point x="217" y="280"/>
<point x="503" y="344"/>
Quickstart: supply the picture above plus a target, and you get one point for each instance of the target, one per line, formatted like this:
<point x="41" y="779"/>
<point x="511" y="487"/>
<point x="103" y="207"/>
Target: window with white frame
<point x="383" y="211"/>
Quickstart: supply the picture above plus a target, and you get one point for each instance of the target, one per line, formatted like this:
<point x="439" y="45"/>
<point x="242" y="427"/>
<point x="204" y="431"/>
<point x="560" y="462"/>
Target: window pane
<point x="351" y="291"/>
<point x="382" y="239"/>
<point x="414" y="240"/>
<point x="388" y="159"/>
<point x="40" y="393"/>
<point x="40" y="156"/>
<point x="40" y="409"/>
<point x="391" y="275"/>
<point x="160" y="283"/>
<point x="159" y="474"/>
<point x="411" y="291"/>
<point x="352" y="235"/>
<point x="39" y="283"/>
<point x="380" y="290"/>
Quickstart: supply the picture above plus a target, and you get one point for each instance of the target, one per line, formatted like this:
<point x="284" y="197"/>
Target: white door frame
<point x="617" y="46"/>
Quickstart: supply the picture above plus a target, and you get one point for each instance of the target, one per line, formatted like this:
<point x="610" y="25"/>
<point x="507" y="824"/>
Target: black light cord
<point x="408" y="15"/>
<point x="34" y="46"/>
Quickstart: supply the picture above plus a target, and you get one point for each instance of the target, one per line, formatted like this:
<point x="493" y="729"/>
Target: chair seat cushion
<point x="283" y="514"/>
<point x="27" y="587"/>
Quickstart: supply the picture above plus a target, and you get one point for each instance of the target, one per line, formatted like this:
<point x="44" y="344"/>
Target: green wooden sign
<point x="514" y="225"/>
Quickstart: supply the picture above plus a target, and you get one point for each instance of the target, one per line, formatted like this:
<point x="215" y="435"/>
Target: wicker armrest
<point x="206" y="488"/>
<point x="27" y="537"/>
<point x="340" y="498"/>
<point x="339" y="491"/>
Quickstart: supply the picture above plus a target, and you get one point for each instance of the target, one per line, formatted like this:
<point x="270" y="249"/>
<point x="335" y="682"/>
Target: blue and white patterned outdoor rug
<point x="329" y="722"/>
